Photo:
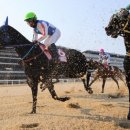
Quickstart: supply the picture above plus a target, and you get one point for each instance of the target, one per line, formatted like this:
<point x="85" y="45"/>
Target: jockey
<point x="104" y="58"/>
<point x="49" y="33"/>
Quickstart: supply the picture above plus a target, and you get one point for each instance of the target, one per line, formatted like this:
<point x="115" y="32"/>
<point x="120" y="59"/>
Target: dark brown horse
<point x="38" y="68"/>
<point x="119" y="25"/>
<point x="104" y="73"/>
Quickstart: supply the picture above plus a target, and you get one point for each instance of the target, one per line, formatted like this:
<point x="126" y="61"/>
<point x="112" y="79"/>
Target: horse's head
<point x="10" y="37"/>
<point x="117" y="23"/>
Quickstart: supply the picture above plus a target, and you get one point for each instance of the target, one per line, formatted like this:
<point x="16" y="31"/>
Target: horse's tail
<point x="120" y="71"/>
<point x="120" y="74"/>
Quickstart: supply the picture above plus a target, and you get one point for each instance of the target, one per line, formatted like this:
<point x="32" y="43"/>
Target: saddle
<point x="61" y="54"/>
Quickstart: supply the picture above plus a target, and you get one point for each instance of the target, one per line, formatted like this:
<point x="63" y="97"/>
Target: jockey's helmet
<point x="30" y="16"/>
<point x="101" y="50"/>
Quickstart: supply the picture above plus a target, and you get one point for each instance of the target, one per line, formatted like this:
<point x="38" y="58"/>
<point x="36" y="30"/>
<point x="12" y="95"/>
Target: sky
<point x="81" y="22"/>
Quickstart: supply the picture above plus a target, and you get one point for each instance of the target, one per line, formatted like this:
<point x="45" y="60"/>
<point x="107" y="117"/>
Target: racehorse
<point x="119" y="25"/>
<point x="103" y="72"/>
<point x="38" y="68"/>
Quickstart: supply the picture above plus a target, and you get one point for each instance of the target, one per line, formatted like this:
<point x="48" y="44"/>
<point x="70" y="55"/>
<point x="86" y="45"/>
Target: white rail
<point x="12" y="82"/>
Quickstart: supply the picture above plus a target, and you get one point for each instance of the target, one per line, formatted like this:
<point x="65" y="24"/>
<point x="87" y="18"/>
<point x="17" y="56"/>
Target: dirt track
<point x="106" y="111"/>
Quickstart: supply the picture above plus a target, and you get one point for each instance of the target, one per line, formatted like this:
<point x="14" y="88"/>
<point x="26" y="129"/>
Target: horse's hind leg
<point x="121" y="78"/>
<point x="116" y="82"/>
<point x="53" y="93"/>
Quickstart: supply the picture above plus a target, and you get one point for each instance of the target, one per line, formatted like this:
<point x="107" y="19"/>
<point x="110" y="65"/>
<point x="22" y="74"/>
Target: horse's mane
<point x="64" y="48"/>
<point x="17" y="34"/>
<point x="20" y="43"/>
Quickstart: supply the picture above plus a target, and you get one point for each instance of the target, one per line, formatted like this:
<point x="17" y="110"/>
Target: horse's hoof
<point x="33" y="112"/>
<point x="64" y="99"/>
<point x="42" y="89"/>
<point x="67" y="98"/>
<point x="90" y="91"/>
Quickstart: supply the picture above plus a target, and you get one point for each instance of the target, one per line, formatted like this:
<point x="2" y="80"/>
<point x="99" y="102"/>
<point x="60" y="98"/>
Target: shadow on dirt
<point x="32" y="125"/>
<point x="124" y="123"/>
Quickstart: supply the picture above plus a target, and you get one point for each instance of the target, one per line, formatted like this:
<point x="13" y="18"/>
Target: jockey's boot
<point x="110" y="67"/>
<point x="54" y="52"/>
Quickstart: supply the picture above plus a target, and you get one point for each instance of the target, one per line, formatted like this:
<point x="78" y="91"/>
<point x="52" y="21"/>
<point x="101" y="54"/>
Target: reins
<point x="34" y="57"/>
<point x="31" y="58"/>
<point x="28" y="53"/>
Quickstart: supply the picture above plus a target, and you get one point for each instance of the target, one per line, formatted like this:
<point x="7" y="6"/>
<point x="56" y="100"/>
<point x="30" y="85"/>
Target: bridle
<point x="123" y="25"/>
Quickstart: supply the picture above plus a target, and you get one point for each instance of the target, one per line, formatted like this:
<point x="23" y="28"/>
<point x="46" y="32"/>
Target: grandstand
<point x="116" y="59"/>
<point x="10" y="70"/>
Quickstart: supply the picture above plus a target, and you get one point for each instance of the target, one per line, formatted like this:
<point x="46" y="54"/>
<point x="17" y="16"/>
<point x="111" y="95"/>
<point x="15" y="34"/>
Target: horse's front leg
<point x="88" y="77"/>
<point x="86" y="86"/>
<point x="33" y="84"/>
<point x="127" y="75"/>
<point x="50" y="87"/>
<point x="128" y="116"/>
<point x="103" y="84"/>
<point x="95" y="78"/>
<point x="128" y="85"/>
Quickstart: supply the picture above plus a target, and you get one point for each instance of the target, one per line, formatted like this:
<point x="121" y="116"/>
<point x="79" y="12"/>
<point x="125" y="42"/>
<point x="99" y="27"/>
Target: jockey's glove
<point x="35" y="41"/>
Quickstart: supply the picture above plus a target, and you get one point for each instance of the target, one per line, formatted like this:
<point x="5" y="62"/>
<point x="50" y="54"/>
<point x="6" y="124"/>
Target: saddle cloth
<point x="61" y="53"/>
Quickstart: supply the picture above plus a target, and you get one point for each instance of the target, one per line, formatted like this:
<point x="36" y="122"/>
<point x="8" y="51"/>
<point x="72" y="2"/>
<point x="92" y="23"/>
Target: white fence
<point x="12" y="82"/>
